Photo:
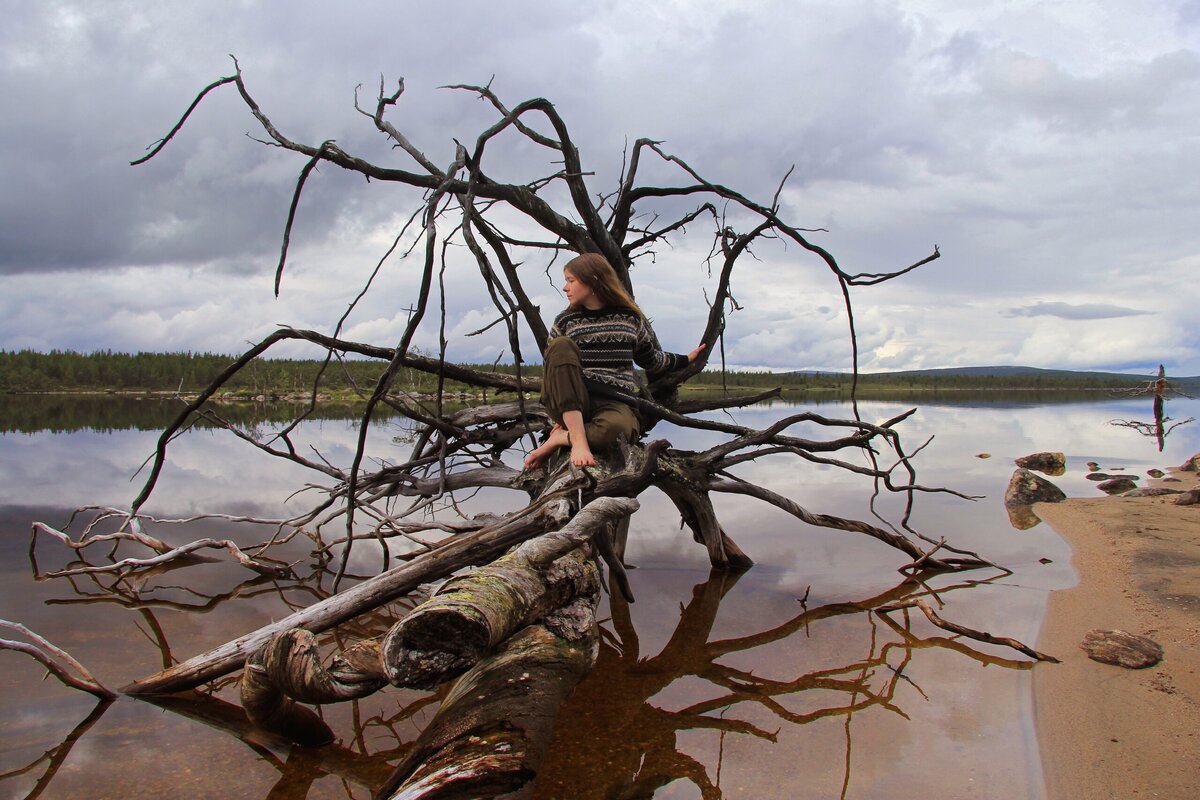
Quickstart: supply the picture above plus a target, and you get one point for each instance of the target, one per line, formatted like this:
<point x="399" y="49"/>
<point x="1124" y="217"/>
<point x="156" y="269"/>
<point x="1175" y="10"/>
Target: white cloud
<point x="1044" y="147"/>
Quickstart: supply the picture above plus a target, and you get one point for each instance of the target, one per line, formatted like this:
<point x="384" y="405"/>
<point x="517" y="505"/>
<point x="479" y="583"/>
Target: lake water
<point x="775" y="683"/>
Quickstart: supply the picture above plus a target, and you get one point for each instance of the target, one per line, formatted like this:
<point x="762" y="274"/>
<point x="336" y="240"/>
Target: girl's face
<point x="578" y="293"/>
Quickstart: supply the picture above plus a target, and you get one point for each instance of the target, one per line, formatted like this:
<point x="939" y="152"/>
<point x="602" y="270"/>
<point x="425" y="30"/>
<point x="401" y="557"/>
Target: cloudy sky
<point x="1051" y="151"/>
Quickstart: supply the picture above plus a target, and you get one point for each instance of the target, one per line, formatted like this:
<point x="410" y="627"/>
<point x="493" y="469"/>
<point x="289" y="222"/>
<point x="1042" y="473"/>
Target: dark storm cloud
<point x="87" y="87"/>
<point x="1076" y="311"/>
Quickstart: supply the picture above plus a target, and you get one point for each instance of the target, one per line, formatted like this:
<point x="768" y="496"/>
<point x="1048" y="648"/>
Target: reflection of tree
<point x="612" y="741"/>
<point x="1162" y="390"/>
<point x="300" y="767"/>
<point x="55" y="756"/>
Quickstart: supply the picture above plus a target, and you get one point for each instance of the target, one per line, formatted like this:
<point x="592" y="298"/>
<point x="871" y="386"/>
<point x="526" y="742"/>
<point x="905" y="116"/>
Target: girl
<point x="588" y="385"/>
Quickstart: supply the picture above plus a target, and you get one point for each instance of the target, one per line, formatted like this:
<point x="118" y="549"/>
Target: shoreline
<point x="1106" y="731"/>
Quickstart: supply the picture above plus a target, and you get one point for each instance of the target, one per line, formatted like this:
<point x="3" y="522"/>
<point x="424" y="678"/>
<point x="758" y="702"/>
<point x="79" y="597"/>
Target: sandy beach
<point x="1106" y="731"/>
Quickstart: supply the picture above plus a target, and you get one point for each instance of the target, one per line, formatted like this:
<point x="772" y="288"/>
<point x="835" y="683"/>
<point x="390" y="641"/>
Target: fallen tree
<point x="409" y="510"/>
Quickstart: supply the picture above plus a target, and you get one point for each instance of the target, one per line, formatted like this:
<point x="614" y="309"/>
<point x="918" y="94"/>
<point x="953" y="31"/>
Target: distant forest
<point x="105" y="371"/>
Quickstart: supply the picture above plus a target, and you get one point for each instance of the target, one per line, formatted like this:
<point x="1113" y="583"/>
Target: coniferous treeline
<point x="105" y="370"/>
<point x="188" y="373"/>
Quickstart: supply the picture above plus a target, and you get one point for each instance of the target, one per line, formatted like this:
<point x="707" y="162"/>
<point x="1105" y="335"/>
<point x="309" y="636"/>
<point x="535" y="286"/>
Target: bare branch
<point x="45" y="653"/>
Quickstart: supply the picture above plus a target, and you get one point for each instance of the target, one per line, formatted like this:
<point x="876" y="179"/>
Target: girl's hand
<point x="692" y="356"/>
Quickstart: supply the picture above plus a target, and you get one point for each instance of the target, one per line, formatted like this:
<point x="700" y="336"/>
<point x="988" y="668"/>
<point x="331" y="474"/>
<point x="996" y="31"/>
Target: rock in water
<point x="1155" y="473"/>
<point x="1022" y="517"/>
<point x="1116" y="485"/>
<point x="1122" y="649"/>
<point x="1049" y="463"/>
<point x="1025" y="488"/>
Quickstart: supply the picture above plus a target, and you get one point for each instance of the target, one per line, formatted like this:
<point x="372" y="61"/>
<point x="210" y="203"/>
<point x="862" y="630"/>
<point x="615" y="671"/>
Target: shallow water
<point x="707" y="686"/>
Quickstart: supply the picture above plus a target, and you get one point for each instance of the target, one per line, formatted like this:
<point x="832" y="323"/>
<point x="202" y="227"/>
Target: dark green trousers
<point x="563" y="390"/>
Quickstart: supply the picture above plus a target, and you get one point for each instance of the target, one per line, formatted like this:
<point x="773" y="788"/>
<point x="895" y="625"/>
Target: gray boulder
<point x="1192" y="464"/>
<point x="1025" y="488"/>
<point x="1104" y="476"/>
<point x="1118" y="485"/>
<point x="1049" y="463"/>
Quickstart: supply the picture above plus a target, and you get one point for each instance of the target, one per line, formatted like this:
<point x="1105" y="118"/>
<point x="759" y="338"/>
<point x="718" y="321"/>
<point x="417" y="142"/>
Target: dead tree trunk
<point x="476" y="548"/>
<point x="524" y="626"/>
<point x="491" y="732"/>
<point x="541" y="581"/>
<point x="471" y="615"/>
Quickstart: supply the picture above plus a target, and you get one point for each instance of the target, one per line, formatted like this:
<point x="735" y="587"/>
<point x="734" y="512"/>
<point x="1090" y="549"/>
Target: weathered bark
<point x="549" y="579"/>
<point x="474" y="613"/>
<point x="269" y="707"/>
<point x="475" y="548"/>
<point x="697" y="511"/>
<point x="490" y="734"/>
<point x="288" y="668"/>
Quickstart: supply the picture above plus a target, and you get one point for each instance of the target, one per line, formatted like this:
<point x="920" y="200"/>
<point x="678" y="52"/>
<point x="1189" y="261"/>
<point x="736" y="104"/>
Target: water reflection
<point x="55" y="756"/>
<point x="641" y="750"/>
<point x="1158" y="429"/>
<point x="743" y="693"/>
<point x="623" y="732"/>
<point x="1022" y="517"/>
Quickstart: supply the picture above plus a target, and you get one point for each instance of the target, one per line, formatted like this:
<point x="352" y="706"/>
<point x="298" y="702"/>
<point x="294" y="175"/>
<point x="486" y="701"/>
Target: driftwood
<point x="473" y="614"/>
<point x="525" y="628"/>
<point x="542" y="580"/>
<point x="58" y="662"/>
<point x="532" y="613"/>
<point x="491" y="732"/>
<point x="477" y="548"/>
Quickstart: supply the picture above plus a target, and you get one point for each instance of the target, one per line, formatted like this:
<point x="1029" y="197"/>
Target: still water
<point x="776" y="683"/>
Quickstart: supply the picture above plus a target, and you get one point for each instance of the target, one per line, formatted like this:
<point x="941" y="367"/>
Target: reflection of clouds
<point x="976" y="715"/>
<point x="210" y="470"/>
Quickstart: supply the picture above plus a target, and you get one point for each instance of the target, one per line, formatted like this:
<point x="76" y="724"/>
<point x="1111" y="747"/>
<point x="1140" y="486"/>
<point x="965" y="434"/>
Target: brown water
<point x="777" y="683"/>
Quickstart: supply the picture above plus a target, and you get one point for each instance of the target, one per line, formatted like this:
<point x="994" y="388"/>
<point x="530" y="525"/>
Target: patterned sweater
<point x="610" y="341"/>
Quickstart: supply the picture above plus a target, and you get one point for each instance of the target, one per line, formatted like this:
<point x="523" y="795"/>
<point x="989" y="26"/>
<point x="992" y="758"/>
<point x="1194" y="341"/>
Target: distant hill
<point x="57" y="371"/>
<point x="1009" y="375"/>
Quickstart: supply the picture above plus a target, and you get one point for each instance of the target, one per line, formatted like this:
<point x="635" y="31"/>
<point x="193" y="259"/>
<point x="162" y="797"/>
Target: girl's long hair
<point x="594" y="271"/>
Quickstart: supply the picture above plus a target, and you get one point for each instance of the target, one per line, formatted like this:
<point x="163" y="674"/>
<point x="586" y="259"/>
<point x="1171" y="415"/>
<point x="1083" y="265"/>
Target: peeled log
<point x="490" y="734"/>
<point x="474" y="613"/>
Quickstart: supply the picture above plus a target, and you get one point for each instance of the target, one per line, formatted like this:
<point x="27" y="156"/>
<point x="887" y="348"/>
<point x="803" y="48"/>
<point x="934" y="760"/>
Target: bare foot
<point x="581" y="454"/>
<point x="535" y="459"/>
<point x="538" y="457"/>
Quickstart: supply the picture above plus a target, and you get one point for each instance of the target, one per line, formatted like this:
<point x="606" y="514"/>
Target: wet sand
<point x="1106" y="731"/>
